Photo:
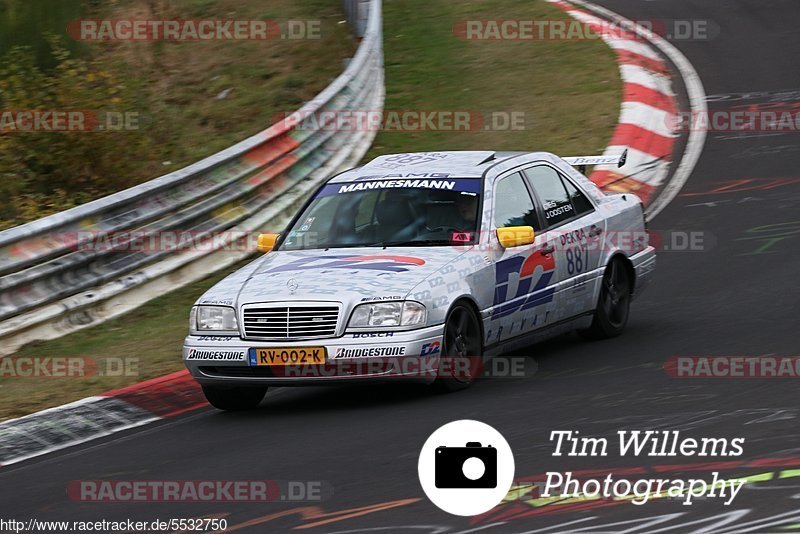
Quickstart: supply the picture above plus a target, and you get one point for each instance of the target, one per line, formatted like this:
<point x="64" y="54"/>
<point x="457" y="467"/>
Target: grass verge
<point x="569" y="92"/>
<point x="186" y="99"/>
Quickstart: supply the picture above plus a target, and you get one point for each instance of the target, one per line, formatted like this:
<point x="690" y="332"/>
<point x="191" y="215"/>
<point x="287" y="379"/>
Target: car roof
<point x="458" y="164"/>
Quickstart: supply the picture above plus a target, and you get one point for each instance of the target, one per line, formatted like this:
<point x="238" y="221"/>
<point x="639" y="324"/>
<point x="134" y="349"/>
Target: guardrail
<point x="55" y="280"/>
<point x="357" y="14"/>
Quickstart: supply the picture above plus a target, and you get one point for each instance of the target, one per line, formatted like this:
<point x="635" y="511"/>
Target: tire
<point x="613" y="304"/>
<point x="236" y="398"/>
<point x="462" y="350"/>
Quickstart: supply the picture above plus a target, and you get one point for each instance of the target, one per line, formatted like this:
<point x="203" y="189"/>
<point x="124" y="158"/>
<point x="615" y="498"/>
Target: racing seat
<point x="397" y="220"/>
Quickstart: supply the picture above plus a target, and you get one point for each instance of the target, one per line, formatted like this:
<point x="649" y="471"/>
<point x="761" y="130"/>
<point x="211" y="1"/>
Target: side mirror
<point x="266" y="242"/>
<point x="515" y="236"/>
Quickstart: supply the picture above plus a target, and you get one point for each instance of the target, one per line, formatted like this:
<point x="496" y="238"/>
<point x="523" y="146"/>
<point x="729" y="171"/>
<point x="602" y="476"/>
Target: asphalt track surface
<point x="738" y="297"/>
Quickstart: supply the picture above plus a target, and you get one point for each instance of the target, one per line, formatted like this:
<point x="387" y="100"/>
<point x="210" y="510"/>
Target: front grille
<point x="290" y="322"/>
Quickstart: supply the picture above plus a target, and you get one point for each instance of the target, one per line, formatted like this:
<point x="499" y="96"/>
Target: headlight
<point x="213" y="319"/>
<point x="388" y="315"/>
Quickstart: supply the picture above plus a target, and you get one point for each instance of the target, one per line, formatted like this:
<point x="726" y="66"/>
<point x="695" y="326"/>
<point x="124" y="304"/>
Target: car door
<point x="524" y="276"/>
<point x="576" y="227"/>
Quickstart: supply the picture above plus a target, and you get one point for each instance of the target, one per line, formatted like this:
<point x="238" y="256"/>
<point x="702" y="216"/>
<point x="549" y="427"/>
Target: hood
<point x="343" y="275"/>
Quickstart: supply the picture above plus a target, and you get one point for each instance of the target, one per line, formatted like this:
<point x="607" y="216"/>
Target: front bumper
<point x="224" y="360"/>
<point x="644" y="264"/>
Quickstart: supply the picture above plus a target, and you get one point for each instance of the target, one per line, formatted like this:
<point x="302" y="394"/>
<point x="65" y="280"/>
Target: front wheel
<point x="236" y="398"/>
<point x="461" y="361"/>
<point x="613" y="305"/>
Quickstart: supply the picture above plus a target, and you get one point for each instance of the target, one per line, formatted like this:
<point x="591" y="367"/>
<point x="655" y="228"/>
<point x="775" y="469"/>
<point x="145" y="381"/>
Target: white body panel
<point x="521" y="294"/>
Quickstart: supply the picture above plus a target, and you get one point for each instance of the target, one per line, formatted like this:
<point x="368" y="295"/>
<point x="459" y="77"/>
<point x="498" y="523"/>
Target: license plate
<point x="283" y="356"/>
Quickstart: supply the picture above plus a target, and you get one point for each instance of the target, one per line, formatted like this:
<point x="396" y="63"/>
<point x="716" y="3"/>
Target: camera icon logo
<point x="472" y="466"/>
<point x="466" y="467"/>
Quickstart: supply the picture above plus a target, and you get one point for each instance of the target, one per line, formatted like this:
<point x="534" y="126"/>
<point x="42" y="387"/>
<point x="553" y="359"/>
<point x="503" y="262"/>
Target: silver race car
<point x="422" y="266"/>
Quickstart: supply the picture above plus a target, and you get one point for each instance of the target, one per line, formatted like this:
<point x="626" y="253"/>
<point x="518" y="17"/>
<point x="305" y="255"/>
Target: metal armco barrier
<point x="54" y="279"/>
<point x="357" y="14"/>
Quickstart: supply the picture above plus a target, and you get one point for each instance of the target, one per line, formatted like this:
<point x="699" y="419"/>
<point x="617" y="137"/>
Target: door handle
<point x="549" y="249"/>
<point x="595" y="231"/>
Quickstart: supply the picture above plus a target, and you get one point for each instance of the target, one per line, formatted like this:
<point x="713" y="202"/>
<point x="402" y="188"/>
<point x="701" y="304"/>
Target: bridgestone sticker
<point x="370" y="352"/>
<point x="215" y="355"/>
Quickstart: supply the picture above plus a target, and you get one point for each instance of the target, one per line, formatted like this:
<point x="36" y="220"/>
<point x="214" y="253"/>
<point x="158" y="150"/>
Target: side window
<point x="556" y="203"/>
<point x="512" y="203"/>
<point x="581" y="204"/>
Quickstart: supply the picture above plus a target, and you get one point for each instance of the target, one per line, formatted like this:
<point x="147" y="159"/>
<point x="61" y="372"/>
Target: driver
<point x="467" y="212"/>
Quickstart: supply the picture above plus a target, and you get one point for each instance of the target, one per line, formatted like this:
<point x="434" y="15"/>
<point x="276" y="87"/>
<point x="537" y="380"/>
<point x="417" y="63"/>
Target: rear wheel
<point x="462" y="352"/>
<point x="613" y="305"/>
<point x="235" y="398"/>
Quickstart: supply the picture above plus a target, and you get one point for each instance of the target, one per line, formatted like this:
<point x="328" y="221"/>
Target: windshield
<point x="390" y="212"/>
